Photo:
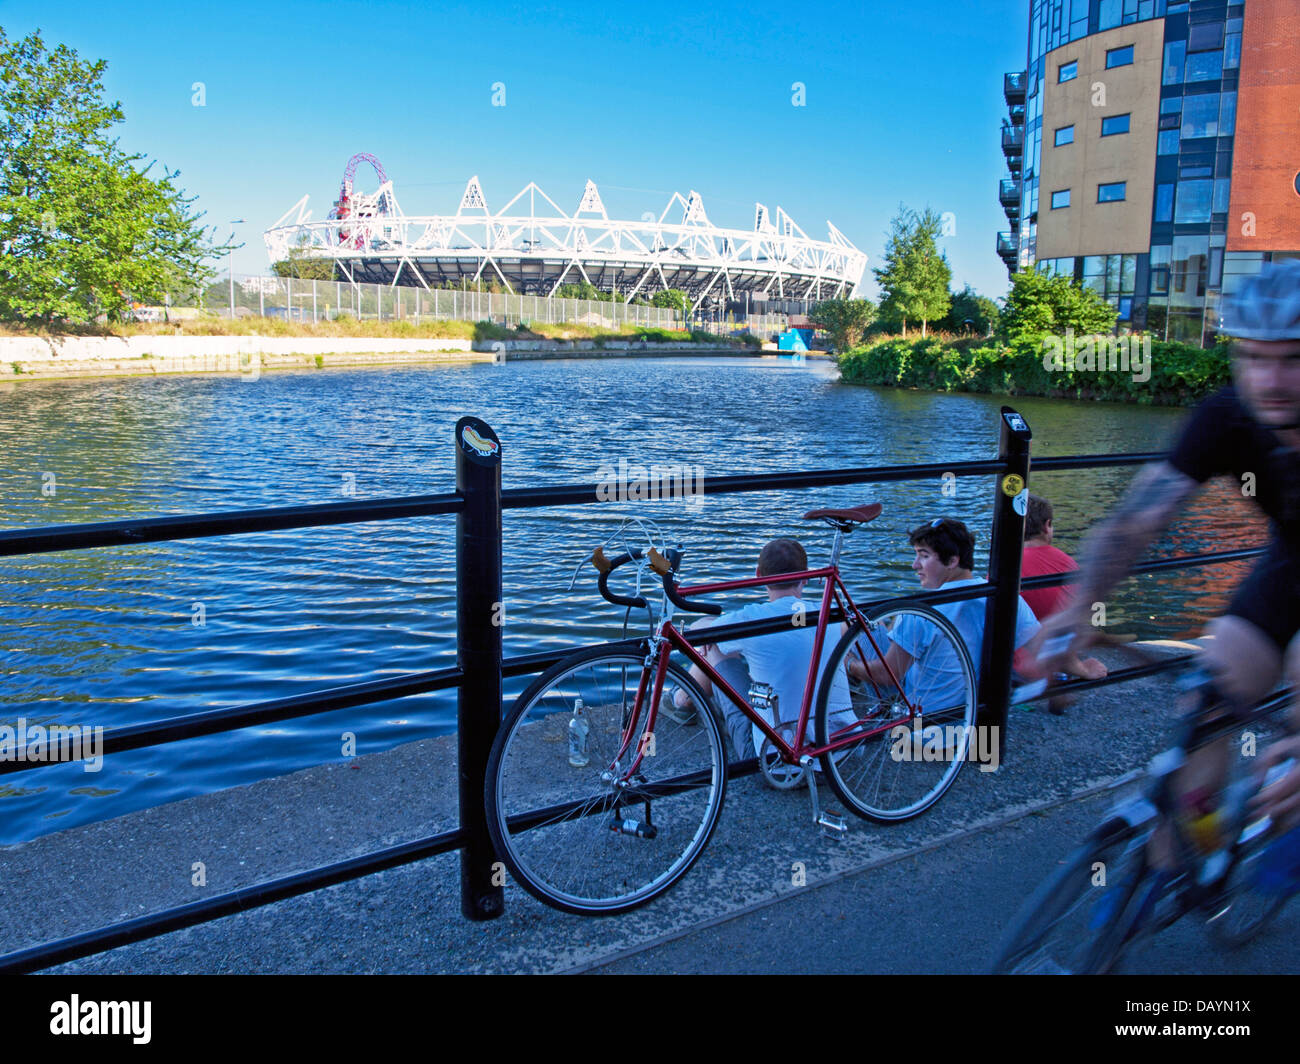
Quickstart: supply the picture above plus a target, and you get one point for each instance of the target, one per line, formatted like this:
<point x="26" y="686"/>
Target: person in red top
<point x="1041" y="558"/>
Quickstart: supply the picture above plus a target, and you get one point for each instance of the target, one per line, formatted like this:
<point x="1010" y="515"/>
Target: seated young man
<point x="945" y="550"/>
<point x="779" y="659"/>
<point x="1041" y="558"/>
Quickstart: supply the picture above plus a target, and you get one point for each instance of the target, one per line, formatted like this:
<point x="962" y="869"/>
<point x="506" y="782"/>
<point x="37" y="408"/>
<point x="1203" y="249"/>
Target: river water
<point x="119" y="636"/>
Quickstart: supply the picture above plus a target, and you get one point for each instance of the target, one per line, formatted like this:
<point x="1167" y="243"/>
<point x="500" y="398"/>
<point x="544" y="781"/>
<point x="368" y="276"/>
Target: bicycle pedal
<point x="833" y="824"/>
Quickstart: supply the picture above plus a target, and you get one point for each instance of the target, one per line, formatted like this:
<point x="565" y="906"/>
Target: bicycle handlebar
<point x="606" y="566"/>
<point x="665" y="566"/>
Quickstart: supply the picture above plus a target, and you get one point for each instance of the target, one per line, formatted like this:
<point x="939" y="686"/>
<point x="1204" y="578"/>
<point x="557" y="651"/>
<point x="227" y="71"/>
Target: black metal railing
<point x="478" y="503"/>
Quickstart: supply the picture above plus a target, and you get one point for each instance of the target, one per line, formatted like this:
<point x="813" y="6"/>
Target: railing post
<point x="478" y="653"/>
<point x="1010" y="499"/>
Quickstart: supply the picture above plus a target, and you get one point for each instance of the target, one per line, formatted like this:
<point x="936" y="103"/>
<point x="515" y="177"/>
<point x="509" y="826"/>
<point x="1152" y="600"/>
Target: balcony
<point x="1013" y="164"/>
<point x="1009" y="192"/>
<point x="1018" y="115"/>
<point x="1008" y="245"/>
<point x="1013" y="87"/>
<point x="1013" y="141"/>
<point x="1013" y="214"/>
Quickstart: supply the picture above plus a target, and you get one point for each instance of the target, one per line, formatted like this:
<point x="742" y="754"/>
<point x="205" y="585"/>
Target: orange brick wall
<point x="1266" y="152"/>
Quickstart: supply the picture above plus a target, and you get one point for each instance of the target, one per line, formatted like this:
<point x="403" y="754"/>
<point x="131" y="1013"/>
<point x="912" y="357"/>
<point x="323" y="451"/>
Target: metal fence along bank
<point x="477" y="502"/>
<point x="311" y="301"/>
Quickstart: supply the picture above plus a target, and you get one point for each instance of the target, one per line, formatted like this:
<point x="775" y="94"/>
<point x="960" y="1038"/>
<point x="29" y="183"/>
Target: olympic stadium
<point x="532" y="246"/>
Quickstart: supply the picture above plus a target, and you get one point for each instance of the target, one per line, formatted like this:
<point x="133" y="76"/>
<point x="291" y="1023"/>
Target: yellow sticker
<point x="1012" y="484"/>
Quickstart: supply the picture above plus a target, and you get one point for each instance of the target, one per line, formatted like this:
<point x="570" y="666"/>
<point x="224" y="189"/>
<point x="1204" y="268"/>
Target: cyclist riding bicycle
<point x="1250" y="430"/>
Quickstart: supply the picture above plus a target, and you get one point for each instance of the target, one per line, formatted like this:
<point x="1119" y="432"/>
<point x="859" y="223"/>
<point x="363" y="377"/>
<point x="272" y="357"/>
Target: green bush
<point x="1179" y="373"/>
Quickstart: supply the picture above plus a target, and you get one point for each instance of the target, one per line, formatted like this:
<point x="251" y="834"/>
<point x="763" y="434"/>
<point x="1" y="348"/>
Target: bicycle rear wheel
<point x="583" y="838"/>
<point x="1075" y="921"/>
<point x="898" y="771"/>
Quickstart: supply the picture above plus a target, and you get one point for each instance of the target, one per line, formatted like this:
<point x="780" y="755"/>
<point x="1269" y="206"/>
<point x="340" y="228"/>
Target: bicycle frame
<point x="668" y="637"/>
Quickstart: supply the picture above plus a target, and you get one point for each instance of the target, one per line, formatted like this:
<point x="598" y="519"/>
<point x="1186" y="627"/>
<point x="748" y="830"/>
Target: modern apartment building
<point x="1154" y="152"/>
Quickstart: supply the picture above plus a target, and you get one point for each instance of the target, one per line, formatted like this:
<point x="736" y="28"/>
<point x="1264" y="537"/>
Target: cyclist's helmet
<point x="1268" y="305"/>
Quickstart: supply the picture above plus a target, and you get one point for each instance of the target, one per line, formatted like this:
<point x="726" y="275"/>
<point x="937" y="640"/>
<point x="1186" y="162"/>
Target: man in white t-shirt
<point x="945" y="550"/>
<point x="779" y="659"/>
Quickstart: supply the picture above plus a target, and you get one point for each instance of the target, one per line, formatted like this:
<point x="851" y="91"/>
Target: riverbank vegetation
<point x="1050" y="337"/>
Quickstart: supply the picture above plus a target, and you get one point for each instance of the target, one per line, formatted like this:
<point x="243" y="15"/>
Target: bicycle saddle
<point x="858" y="514"/>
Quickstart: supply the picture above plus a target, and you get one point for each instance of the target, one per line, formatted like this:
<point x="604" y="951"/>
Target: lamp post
<point x="233" y="221"/>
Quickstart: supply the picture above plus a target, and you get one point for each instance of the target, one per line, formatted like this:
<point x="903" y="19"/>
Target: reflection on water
<point x="124" y="635"/>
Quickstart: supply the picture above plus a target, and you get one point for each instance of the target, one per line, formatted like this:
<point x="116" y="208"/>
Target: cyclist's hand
<point x="1281" y="799"/>
<point x="1062" y="635"/>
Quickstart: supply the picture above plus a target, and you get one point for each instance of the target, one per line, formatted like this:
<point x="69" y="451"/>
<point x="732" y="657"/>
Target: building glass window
<point x="1232" y="52"/>
<point x="1205" y="66"/>
<point x="1201" y="116"/>
<point x="1114" y="124"/>
<point x="1112" y="192"/>
<point x="1064" y="135"/>
<point x="1111" y="11"/>
<point x="1167" y="142"/>
<point x="1228" y="115"/>
<point x="1206" y="37"/>
<point x="1118" y="57"/>
<point x="1164" y="203"/>
<point x="1060" y="199"/>
<point x="1171" y="105"/>
<point x="1194" y="199"/>
<point x="1221" y="193"/>
<point x="1067" y="71"/>
<point x="1189" y="267"/>
<point x="1175" y="55"/>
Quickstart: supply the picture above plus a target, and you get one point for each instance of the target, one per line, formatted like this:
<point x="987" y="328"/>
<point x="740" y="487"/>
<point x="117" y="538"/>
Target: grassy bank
<point x="1173" y="374"/>
<point x="345" y="326"/>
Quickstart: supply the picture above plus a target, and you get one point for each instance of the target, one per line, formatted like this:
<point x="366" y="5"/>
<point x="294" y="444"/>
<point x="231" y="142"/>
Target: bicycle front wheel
<point x="914" y="740"/>
<point x="1074" y="923"/>
<point x="592" y="839"/>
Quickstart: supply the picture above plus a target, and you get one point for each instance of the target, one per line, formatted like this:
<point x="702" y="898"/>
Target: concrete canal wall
<point x="37" y="358"/>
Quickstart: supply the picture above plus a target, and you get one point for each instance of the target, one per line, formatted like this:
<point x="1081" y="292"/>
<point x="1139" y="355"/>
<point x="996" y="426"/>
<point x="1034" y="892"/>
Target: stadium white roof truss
<point x="532" y="245"/>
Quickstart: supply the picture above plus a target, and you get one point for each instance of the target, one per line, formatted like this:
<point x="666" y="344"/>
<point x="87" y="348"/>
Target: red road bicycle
<point x="598" y="800"/>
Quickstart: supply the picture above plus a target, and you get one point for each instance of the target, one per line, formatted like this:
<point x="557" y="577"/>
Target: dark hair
<point x="948" y="538"/>
<point x="1037" y="514"/>
<point x="782" y="556"/>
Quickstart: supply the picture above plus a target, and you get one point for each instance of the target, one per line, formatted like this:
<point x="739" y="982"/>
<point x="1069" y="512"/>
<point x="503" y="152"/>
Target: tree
<point x="301" y="264"/>
<point x="915" y="275"/>
<point x="1039" y="305"/>
<point x="674" y="298"/>
<point x="968" y="306"/>
<point x="845" y="319"/>
<point x="83" y="231"/>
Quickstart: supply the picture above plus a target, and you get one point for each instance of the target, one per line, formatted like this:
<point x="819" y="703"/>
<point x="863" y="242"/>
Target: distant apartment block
<point x="1153" y="149"/>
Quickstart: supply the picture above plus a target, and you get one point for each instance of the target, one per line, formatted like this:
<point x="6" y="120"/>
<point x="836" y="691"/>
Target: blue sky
<point x="902" y="105"/>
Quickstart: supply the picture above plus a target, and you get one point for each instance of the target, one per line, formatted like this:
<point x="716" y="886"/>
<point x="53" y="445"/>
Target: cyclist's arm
<point x="1110" y="551"/>
<point x="1281" y="799"/>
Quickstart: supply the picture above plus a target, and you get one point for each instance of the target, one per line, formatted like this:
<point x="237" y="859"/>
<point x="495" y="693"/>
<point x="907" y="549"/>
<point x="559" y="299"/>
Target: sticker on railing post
<point x="1013" y="484"/>
<point x="1021" y="502"/>
<point x="478" y="441"/>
